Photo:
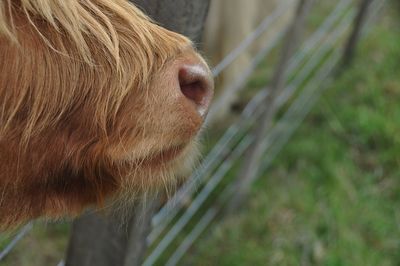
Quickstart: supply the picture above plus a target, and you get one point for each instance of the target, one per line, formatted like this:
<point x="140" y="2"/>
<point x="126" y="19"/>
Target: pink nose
<point x="197" y="85"/>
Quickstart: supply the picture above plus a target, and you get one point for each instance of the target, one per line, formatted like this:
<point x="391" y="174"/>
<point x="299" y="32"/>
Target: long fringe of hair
<point x="102" y="44"/>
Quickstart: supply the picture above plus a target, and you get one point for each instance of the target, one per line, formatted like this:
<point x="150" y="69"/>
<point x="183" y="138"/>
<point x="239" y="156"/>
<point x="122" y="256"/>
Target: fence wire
<point x="23" y="231"/>
<point x="218" y="153"/>
<point x="207" y="218"/>
<point x="251" y="38"/>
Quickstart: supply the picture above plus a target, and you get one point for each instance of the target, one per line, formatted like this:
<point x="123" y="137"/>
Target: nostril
<point x="194" y="91"/>
<point x="197" y="86"/>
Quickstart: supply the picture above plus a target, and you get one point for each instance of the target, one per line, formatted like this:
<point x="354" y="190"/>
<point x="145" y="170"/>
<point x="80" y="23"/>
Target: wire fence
<point x="223" y="146"/>
<point x="323" y="46"/>
<point x="177" y="225"/>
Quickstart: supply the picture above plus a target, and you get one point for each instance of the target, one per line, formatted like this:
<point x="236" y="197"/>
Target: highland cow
<point x="97" y="103"/>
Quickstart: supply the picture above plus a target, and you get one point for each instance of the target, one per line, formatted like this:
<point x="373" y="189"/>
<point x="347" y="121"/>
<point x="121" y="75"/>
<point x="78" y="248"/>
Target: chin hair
<point x="146" y="183"/>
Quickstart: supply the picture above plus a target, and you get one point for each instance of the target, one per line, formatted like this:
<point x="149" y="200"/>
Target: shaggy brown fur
<point x="90" y="106"/>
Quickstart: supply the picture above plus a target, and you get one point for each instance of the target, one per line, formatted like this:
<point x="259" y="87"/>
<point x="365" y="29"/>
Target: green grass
<point x="44" y="245"/>
<point x="332" y="197"/>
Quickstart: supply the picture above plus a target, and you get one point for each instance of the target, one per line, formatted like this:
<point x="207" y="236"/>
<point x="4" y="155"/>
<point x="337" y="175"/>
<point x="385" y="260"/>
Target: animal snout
<point x="197" y="85"/>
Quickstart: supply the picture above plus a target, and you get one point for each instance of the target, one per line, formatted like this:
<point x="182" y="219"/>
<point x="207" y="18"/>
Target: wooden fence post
<point x="97" y="240"/>
<point x="184" y="16"/>
<point x="100" y="240"/>
<point x="252" y="158"/>
<point x="359" y="21"/>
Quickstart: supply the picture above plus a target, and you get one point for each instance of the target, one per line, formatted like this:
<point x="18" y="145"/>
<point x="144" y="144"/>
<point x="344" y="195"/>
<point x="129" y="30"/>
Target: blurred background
<point x="325" y="186"/>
